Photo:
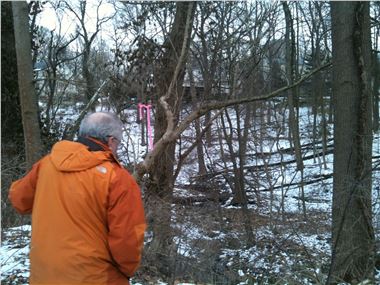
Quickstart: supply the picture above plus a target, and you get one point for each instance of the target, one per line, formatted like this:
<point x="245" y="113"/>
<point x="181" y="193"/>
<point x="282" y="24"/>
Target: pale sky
<point x="50" y="18"/>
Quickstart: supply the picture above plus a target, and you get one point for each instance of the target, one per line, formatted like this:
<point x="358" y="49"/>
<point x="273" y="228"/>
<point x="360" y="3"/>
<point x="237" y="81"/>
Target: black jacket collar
<point x="91" y="143"/>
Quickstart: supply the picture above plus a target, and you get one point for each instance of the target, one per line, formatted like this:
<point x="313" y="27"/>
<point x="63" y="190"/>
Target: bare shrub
<point x="12" y="168"/>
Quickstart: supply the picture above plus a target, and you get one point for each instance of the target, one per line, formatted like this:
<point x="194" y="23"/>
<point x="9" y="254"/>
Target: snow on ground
<point x="269" y="255"/>
<point x="14" y="254"/>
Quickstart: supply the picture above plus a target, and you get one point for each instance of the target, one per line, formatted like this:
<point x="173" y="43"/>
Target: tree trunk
<point x="200" y="153"/>
<point x="291" y="66"/>
<point x="87" y="75"/>
<point x="237" y="183"/>
<point x="239" y="173"/>
<point x="290" y="71"/>
<point x="352" y="230"/>
<point x="376" y="87"/>
<point x="11" y="121"/>
<point x="29" y="105"/>
<point x="160" y="184"/>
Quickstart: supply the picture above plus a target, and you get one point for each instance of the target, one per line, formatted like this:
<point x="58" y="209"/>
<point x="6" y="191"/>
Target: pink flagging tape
<point x="149" y="127"/>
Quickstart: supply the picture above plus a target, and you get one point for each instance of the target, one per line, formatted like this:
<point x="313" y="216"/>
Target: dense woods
<point x="265" y="116"/>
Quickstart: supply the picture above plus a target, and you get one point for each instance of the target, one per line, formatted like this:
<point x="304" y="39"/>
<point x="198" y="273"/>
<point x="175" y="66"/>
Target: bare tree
<point x="352" y="230"/>
<point x="238" y="160"/>
<point x="200" y="153"/>
<point x="376" y="88"/>
<point x="54" y="57"/>
<point x="207" y="48"/>
<point x="375" y="26"/>
<point x="160" y="184"/>
<point x="11" y="121"/>
<point x="315" y="23"/>
<point x="29" y="107"/>
<point x="292" y="71"/>
<point x="88" y="38"/>
<point x="174" y="132"/>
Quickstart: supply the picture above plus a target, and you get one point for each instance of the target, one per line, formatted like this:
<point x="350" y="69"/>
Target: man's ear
<point x="109" y="141"/>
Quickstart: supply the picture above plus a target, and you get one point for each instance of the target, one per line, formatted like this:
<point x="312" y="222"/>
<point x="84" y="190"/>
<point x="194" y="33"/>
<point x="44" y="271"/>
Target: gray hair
<point x="101" y="125"/>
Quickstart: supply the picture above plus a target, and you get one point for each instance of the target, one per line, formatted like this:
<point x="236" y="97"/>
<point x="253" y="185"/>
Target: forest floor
<point x="211" y="249"/>
<point x="210" y="233"/>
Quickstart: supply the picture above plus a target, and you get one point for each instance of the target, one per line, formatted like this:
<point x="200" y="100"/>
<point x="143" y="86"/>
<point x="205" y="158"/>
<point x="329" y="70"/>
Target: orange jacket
<point x="87" y="217"/>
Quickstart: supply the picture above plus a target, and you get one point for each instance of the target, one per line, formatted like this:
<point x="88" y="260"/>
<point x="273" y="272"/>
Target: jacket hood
<point x="73" y="156"/>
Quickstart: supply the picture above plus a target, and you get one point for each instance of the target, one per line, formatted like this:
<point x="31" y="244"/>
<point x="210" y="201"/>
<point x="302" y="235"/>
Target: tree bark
<point x="291" y="71"/>
<point x="200" y="153"/>
<point x="240" y="195"/>
<point x="291" y="66"/>
<point x="160" y="182"/>
<point x="28" y="99"/>
<point x="376" y="87"/>
<point x="352" y="230"/>
<point x="11" y="121"/>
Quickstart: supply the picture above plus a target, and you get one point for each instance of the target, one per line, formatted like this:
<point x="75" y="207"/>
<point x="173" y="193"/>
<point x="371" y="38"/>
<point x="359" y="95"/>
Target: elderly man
<point x="87" y="214"/>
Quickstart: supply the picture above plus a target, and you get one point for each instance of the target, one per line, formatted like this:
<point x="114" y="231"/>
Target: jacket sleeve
<point x="126" y="222"/>
<point x="21" y="193"/>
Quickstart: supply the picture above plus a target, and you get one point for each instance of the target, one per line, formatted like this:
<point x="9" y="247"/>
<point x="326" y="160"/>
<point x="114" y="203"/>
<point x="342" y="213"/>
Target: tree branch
<point x="219" y="105"/>
<point x="188" y="151"/>
<point x="172" y="134"/>
<point x="169" y="135"/>
<point x="69" y="135"/>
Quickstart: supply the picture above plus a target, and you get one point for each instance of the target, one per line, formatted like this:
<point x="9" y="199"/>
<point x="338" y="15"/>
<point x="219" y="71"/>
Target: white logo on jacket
<point x="101" y="169"/>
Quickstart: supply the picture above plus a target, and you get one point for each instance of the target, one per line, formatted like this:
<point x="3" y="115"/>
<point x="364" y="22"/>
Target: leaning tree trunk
<point x="352" y="230"/>
<point x="160" y="184"/>
<point x="28" y="99"/>
<point x="200" y="153"/>
<point x="291" y="66"/>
